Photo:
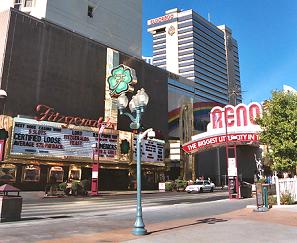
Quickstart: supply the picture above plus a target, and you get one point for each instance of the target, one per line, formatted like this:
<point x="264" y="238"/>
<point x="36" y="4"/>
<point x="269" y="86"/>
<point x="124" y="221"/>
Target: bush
<point x="86" y="185"/>
<point x="180" y="184"/>
<point x="286" y="199"/>
<point x="75" y="187"/>
<point x="168" y="186"/>
<point x="272" y="200"/>
<point x="262" y="180"/>
<point x="62" y="186"/>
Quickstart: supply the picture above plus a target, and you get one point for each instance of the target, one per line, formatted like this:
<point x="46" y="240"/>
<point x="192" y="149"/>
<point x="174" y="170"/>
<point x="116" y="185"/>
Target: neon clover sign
<point x="121" y="79"/>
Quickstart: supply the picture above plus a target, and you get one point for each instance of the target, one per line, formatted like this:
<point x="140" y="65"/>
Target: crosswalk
<point x="106" y="205"/>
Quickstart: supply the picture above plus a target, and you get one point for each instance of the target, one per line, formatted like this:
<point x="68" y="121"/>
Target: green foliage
<point x="279" y="124"/>
<point x="75" y="187"/>
<point x="272" y="200"/>
<point x="62" y="186"/>
<point x="262" y="180"/>
<point x="168" y="186"/>
<point x="86" y="184"/>
<point x="180" y="184"/>
<point x="286" y="199"/>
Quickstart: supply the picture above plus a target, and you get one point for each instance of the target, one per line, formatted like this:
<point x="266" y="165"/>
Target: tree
<point x="279" y="124"/>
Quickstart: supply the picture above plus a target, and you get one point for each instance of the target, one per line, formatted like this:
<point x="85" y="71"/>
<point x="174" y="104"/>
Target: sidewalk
<point x="276" y="225"/>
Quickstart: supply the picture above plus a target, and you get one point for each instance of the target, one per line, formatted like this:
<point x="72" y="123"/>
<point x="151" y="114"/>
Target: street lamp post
<point x="136" y="105"/>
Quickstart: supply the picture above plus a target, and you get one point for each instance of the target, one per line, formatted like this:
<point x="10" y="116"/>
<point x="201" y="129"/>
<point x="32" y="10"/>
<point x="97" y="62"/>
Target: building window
<point x="28" y="3"/>
<point x="57" y="172"/>
<point x="17" y="4"/>
<point x="31" y="173"/>
<point x="90" y="11"/>
<point x="7" y="173"/>
<point x="74" y="173"/>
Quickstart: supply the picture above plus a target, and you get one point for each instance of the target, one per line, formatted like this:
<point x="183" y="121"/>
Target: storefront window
<point x="57" y="172"/>
<point x="31" y="173"/>
<point x="7" y="173"/>
<point x="74" y="173"/>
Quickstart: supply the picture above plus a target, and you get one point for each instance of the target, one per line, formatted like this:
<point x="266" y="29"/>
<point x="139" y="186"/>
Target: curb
<point x="251" y="206"/>
<point x="285" y="206"/>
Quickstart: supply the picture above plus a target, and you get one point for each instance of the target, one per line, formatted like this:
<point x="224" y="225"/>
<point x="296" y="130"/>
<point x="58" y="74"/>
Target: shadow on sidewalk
<point x="200" y="221"/>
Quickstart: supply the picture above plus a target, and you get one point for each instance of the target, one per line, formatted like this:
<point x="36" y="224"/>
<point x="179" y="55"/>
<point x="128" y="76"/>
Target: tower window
<point x="28" y="3"/>
<point x="159" y="31"/>
<point x="90" y="11"/>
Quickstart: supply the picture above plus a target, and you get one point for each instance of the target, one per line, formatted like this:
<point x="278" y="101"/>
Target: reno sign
<point x="238" y="116"/>
<point x="232" y="124"/>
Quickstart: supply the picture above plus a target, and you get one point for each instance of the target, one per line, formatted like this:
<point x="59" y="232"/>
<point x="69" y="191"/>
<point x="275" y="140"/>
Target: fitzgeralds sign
<point x="46" y="113"/>
<point x="121" y="79"/>
<point x="232" y="124"/>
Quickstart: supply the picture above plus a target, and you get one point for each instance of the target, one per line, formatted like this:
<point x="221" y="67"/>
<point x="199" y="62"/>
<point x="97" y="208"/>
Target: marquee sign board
<point x="220" y="139"/>
<point x="151" y="151"/>
<point x="232" y="124"/>
<point x="54" y="141"/>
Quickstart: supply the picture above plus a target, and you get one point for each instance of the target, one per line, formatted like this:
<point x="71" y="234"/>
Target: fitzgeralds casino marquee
<point x="232" y="124"/>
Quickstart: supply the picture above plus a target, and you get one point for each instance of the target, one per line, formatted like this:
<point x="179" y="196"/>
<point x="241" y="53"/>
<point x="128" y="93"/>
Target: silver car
<point x="200" y="186"/>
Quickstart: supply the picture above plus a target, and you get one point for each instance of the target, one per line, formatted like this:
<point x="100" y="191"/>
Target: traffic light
<point x="125" y="146"/>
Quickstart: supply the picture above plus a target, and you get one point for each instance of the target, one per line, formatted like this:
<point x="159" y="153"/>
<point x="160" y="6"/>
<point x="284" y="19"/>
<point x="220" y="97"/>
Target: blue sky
<point x="266" y="31"/>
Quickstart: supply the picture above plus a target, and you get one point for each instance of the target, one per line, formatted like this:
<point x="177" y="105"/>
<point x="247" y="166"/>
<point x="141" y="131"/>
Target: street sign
<point x="232" y="169"/>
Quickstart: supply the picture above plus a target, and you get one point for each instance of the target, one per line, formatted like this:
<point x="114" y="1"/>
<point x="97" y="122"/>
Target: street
<point x="168" y="217"/>
<point x="60" y="207"/>
<point x="47" y="220"/>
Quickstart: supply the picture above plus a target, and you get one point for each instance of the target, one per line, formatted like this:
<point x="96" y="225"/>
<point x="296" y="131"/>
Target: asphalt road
<point x="55" y="219"/>
<point x="69" y="207"/>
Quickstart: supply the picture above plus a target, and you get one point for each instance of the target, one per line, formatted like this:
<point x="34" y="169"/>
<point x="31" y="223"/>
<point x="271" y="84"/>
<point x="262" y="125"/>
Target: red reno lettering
<point x="235" y="116"/>
<point x="161" y="19"/>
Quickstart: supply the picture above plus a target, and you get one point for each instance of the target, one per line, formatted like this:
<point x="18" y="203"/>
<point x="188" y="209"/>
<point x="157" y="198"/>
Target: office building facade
<point x="188" y="45"/>
<point x="117" y="24"/>
<point x="55" y="81"/>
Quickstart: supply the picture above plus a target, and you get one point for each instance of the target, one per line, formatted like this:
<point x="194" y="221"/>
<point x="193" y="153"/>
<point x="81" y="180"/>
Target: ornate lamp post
<point x="136" y="105"/>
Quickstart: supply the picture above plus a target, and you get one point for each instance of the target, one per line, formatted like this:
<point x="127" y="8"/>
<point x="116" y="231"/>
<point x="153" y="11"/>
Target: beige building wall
<point x="117" y="24"/>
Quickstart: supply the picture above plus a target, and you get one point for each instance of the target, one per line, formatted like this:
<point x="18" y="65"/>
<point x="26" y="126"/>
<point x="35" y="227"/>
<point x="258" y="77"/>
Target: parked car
<point x="200" y="186"/>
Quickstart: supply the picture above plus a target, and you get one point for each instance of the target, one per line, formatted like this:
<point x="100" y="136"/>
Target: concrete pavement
<point x="279" y="224"/>
<point x="245" y="225"/>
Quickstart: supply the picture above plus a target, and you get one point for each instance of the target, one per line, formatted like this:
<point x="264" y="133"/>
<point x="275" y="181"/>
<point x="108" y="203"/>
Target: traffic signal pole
<point x="96" y="165"/>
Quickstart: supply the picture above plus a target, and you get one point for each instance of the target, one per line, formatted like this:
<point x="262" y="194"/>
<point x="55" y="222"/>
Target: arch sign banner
<point x="232" y="124"/>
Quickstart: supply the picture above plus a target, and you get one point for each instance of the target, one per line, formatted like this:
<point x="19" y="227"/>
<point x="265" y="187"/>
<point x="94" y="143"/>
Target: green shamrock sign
<point x="120" y="80"/>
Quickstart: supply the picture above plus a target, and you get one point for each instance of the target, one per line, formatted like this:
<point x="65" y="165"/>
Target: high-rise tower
<point x="187" y="44"/>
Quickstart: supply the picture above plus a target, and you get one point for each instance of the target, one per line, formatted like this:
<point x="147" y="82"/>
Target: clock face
<point x="171" y="30"/>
